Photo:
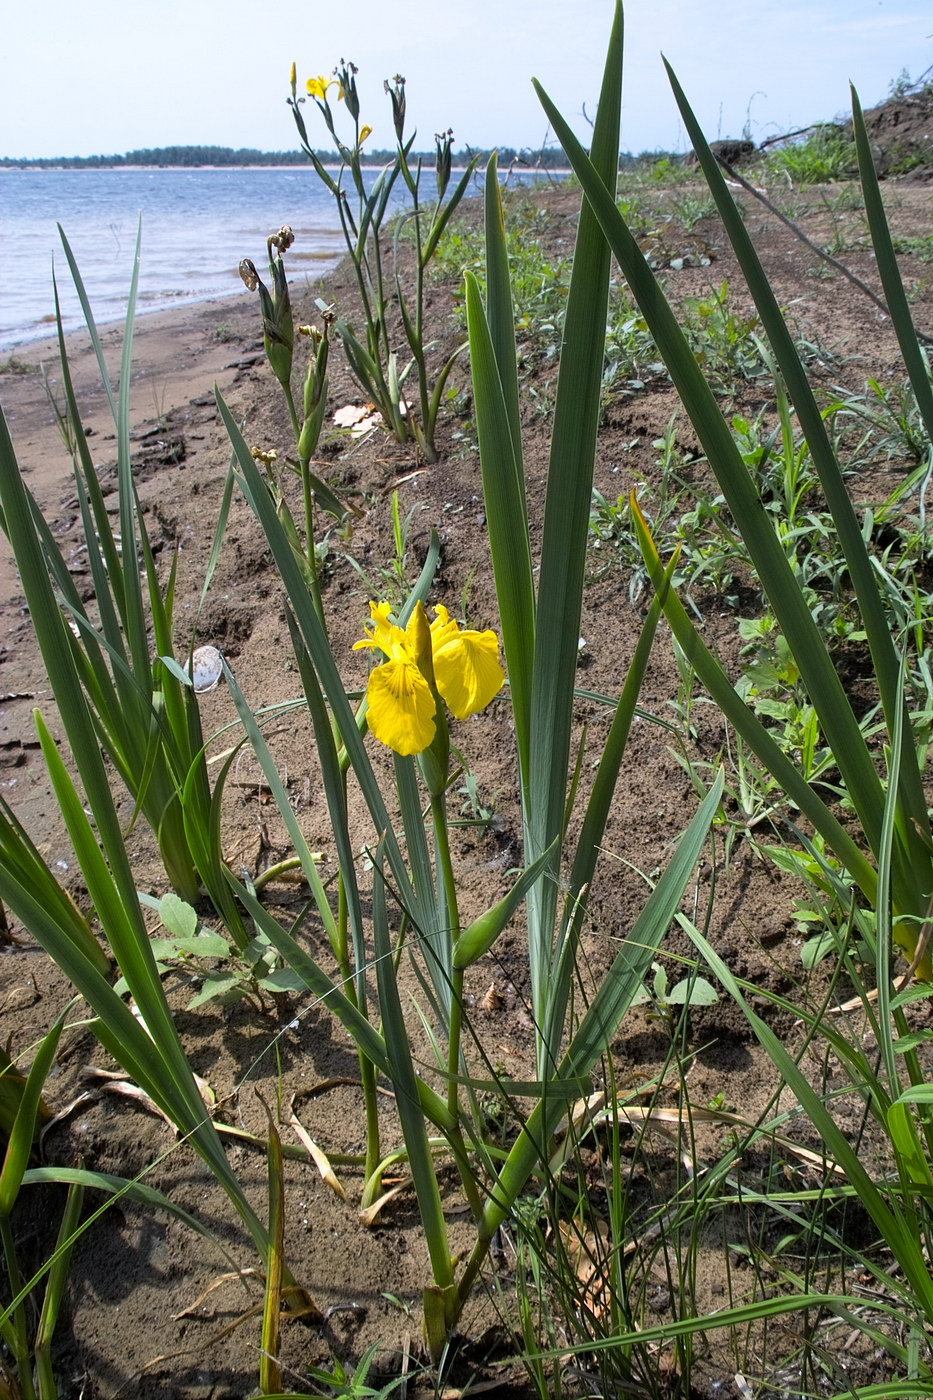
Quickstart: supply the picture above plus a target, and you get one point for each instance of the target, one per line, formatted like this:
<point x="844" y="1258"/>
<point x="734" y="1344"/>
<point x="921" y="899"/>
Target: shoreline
<point x="45" y="342"/>
<point x="178" y="358"/>
<point x="166" y="280"/>
<point x="178" y="346"/>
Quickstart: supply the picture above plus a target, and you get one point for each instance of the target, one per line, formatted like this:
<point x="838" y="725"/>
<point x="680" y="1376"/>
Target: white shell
<point x="207" y="667"/>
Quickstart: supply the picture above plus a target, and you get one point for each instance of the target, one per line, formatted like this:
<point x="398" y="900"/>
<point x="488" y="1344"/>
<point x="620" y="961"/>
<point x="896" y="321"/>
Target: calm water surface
<point x="197" y="225"/>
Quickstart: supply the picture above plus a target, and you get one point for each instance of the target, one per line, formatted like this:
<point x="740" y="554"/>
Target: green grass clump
<point x="823" y="155"/>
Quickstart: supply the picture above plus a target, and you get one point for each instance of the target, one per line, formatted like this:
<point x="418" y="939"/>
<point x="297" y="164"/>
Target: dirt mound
<point x="901" y="131"/>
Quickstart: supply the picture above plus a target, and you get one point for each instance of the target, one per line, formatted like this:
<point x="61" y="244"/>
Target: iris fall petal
<point x="400" y="710"/>
<point x="467" y="671"/>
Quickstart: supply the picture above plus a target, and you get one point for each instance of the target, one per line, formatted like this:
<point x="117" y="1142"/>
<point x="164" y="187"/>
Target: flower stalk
<point x="384" y="270"/>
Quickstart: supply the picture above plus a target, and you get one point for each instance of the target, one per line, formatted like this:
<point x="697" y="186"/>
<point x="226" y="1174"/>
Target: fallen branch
<point x="814" y="247"/>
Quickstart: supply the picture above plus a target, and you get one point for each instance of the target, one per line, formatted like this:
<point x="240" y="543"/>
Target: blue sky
<point x="108" y="76"/>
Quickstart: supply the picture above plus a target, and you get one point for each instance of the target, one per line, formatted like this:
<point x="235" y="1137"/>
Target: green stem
<point x="368" y="1076"/>
<point x="427" y="426"/>
<point x="467" y="1175"/>
<point x="367" y="1068"/>
<point x="471" y="1272"/>
<point x="442" y="839"/>
<point x="308" y="499"/>
<point x="273" y="871"/>
<point x="454" y="1038"/>
<point x="21" y="1349"/>
<point x="292" y="411"/>
<point x="371" y="1102"/>
<point x="54" y="1292"/>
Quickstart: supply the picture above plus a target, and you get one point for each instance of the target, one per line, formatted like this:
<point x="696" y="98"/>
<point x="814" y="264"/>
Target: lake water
<point x="196" y="226"/>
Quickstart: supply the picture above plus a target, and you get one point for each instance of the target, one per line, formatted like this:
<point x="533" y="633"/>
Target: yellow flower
<point x="400" y="696"/>
<point x="366" y="131"/>
<point x="317" y="87"/>
<point x="400" y="703"/>
<point x="466" y="665"/>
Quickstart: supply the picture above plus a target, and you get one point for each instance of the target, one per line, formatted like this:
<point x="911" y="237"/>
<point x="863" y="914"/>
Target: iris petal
<point x="401" y="707"/>
<point x="442" y="628"/>
<point x="385" y="635"/>
<point x="317" y="87"/>
<point x="401" y="697"/>
<point x="467" y="671"/>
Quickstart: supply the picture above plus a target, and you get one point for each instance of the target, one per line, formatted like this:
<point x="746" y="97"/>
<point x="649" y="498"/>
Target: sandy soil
<point x="136" y="1320"/>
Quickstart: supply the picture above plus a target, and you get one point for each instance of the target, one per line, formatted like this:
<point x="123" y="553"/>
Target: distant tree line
<point x="547" y="158"/>
<point x="192" y="156"/>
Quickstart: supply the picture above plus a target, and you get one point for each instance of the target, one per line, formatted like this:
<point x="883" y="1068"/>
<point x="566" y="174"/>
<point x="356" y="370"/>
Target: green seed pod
<point x="483" y="932"/>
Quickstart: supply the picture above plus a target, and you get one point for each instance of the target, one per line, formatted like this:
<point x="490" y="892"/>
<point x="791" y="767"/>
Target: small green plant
<point x="919" y="246"/>
<point x="187" y="944"/>
<point x="390" y="259"/>
<point x="342" y="1384"/>
<point x="690" y="207"/>
<point x="665" y="1000"/>
<point x="631" y="355"/>
<point x="770" y="684"/>
<point x="723" y="340"/>
<point x="474" y="809"/>
<point x="709" y="553"/>
<point x="14" y="364"/>
<point x="898" y="410"/>
<point x="390" y="580"/>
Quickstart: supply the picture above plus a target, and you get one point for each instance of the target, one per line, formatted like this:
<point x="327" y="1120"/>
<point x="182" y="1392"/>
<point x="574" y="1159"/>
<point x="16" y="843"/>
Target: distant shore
<point x="544" y="172"/>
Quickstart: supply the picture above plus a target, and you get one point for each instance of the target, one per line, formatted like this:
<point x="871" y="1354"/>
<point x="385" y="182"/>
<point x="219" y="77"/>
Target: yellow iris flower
<point x="401" y="699"/>
<point x="317" y="87"/>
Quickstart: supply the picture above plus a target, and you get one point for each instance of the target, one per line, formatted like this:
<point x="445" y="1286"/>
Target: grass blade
<point x="563" y="553"/>
<point x="504" y="495"/>
<point x="55" y="1292"/>
<point x="889" y="272"/>
<point x="876" y="622"/>
<point x="405" y="1083"/>
<point x="500" y="313"/>
<point x="270" y="1372"/>
<point x="22" y="1135"/>
<point x="784" y="594"/>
